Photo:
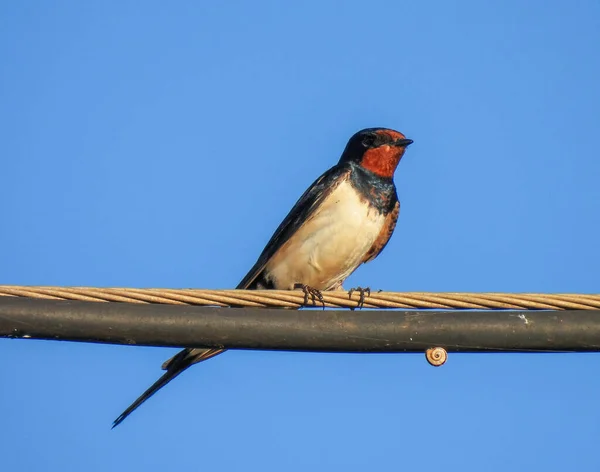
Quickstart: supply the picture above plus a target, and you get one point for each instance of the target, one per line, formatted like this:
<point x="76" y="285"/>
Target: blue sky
<point x="160" y="144"/>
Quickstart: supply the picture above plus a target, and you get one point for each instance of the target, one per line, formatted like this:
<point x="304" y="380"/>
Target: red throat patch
<point x="382" y="160"/>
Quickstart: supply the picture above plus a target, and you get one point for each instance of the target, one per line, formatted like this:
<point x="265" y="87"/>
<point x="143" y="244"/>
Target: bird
<point x="344" y="219"/>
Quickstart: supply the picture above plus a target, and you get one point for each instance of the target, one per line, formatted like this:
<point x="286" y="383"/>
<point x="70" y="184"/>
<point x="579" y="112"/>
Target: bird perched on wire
<point x="344" y="219"/>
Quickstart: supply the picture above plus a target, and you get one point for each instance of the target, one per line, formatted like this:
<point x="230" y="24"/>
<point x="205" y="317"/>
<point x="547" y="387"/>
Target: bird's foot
<point x="363" y="292"/>
<point x="313" y="293"/>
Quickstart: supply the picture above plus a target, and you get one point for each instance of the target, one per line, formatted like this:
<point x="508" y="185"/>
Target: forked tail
<point x="174" y="366"/>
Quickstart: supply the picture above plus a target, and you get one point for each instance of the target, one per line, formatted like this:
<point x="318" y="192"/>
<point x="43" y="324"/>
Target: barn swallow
<point x="344" y="219"/>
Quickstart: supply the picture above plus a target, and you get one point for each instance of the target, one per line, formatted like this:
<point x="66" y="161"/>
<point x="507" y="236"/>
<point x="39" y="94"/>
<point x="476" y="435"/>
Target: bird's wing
<point x="301" y="212"/>
<point x="385" y="234"/>
<point x="298" y="215"/>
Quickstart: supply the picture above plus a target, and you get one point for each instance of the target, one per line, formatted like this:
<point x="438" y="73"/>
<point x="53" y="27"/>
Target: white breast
<point x="330" y="245"/>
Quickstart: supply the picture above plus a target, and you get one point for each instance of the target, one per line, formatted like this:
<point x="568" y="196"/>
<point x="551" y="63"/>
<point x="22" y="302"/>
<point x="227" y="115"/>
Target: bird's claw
<point x="313" y="293"/>
<point x="363" y="292"/>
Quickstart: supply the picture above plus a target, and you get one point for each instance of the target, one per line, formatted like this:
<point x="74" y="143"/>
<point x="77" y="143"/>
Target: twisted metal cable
<point x="295" y="299"/>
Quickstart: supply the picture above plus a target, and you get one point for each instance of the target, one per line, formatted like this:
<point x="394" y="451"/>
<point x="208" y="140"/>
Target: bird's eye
<point x="368" y="140"/>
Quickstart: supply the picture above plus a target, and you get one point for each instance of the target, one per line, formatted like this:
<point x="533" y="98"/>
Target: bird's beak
<point x="403" y="142"/>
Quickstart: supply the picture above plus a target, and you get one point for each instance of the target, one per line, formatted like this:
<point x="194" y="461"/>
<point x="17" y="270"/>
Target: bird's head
<point x="376" y="149"/>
